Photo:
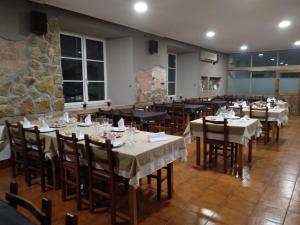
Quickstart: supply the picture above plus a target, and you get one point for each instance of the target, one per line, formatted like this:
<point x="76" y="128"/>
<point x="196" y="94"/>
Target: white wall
<point x="190" y="70"/>
<point x="120" y="79"/>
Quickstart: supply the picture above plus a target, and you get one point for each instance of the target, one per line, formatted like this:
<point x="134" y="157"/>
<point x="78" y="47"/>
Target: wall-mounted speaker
<point x="153" y="46"/>
<point x="38" y="22"/>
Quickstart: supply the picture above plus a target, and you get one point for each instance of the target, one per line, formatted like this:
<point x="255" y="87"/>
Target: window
<point x="172" y="70"/>
<point x="239" y="83"/>
<point x="240" y="60"/>
<point x="83" y="68"/>
<point x="264" y="59"/>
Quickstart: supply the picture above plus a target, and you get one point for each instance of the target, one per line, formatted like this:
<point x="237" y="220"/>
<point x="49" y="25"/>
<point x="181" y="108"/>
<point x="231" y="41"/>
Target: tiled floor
<point x="269" y="192"/>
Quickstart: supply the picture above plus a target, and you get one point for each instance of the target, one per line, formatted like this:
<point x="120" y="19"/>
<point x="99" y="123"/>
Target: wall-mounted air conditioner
<point x="210" y="57"/>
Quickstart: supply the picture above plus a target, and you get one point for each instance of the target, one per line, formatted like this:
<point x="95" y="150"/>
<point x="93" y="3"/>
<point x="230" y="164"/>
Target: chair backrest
<point x="71" y="219"/>
<point x="103" y="160"/>
<point x="33" y="140"/>
<point x="68" y="149"/>
<point x="212" y="127"/>
<point x="259" y="113"/>
<point x="43" y="216"/>
<point x="159" y="107"/>
<point x="178" y="109"/>
<point x="15" y="136"/>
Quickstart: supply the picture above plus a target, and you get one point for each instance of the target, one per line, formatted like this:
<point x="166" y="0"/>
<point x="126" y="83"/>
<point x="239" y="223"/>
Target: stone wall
<point x="31" y="74"/>
<point x="150" y="85"/>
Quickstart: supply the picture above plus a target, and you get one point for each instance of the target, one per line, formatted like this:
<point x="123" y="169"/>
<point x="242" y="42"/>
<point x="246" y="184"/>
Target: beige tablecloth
<point x="135" y="160"/>
<point x="239" y="131"/>
<point x="279" y="115"/>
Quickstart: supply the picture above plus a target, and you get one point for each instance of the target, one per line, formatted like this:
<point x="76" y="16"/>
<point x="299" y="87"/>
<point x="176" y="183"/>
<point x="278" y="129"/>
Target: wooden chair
<point x="178" y="116"/>
<point x="101" y="167"/>
<point x="71" y="167"/>
<point x="81" y="116"/>
<point x="17" y="148"/>
<point x="37" y="165"/>
<point x="71" y="219"/>
<point x="43" y="216"/>
<point x="262" y="114"/>
<point x="212" y="127"/>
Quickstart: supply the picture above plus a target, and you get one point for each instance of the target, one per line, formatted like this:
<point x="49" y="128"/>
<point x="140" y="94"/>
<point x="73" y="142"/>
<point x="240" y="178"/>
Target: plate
<point x="85" y="124"/>
<point x="117" y="144"/>
<point x="27" y="127"/>
<point x="233" y="117"/>
<point x="117" y="129"/>
<point x="46" y="130"/>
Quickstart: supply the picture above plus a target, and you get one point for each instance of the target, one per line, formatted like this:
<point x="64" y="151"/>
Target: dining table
<point x="241" y="131"/>
<point x="10" y="216"/>
<point x="136" y="156"/>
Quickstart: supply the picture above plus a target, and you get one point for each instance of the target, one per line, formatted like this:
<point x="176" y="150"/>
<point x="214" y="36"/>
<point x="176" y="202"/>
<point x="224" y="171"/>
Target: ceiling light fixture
<point x="244" y="47"/>
<point x="297" y="43"/>
<point x="272" y="59"/>
<point x="286" y="64"/>
<point x="281" y="63"/>
<point x="284" y="24"/>
<point x="260" y="54"/>
<point x="140" y="7"/>
<point x="210" y="34"/>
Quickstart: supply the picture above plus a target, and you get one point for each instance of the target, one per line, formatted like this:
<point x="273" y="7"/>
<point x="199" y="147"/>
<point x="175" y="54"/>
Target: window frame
<point x="84" y="61"/>
<point x="172" y="82"/>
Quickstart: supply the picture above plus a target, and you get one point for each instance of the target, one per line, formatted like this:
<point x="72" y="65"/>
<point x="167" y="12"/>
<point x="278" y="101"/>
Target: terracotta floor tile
<point x="294" y="207"/>
<point x="269" y="213"/>
<point x="238" y="204"/>
<point x="296" y="196"/>
<point x="188" y="218"/>
<point x="292" y="219"/>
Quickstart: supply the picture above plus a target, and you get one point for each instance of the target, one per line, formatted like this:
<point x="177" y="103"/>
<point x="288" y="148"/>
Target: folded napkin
<point x="244" y="104"/>
<point x="245" y="118"/>
<point x="231" y="113"/>
<point x="155" y="137"/>
<point x="269" y="100"/>
<point x="66" y="117"/>
<point x="269" y="105"/>
<point x="88" y="119"/>
<point x="26" y="123"/>
<point x="45" y="126"/>
<point x="78" y="132"/>
<point x="121" y="124"/>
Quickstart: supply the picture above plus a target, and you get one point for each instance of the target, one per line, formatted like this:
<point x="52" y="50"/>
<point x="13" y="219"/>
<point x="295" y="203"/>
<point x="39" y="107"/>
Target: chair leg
<point x="113" y="202"/>
<point x="211" y="148"/>
<point x="63" y="184"/>
<point x="204" y="156"/>
<point x="225" y="159"/>
<point x="277" y="132"/>
<point x="250" y="151"/>
<point x="78" y="191"/>
<point x="149" y="179"/>
<point x="42" y="174"/>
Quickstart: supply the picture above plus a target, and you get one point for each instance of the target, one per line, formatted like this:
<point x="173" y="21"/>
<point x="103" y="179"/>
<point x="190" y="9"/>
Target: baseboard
<point x="4" y="163"/>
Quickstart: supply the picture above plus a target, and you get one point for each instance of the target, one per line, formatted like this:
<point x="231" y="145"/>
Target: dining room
<point x="149" y="112"/>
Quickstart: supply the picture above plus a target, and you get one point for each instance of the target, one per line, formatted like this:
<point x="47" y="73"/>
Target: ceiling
<point x="236" y="22"/>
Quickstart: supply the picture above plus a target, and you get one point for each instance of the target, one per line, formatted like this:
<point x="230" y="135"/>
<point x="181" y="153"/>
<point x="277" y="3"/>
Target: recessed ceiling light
<point x="210" y="34"/>
<point x="140" y="7"/>
<point x="297" y="43"/>
<point x="272" y="59"/>
<point x="244" y="47"/>
<point x="260" y="54"/>
<point x="281" y="63"/>
<point x="284" y="24"/>
<point x="286" y="64"/>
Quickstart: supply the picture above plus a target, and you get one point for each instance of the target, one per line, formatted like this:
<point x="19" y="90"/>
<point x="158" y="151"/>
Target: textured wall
<point x="31" y="75"/>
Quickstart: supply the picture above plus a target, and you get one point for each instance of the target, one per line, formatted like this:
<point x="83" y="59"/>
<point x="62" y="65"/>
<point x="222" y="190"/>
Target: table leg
<point x="240" y="160"/>
<point x="250" y="151"/>
<point x="274" y="125"/>
<point x="198" y="151"/>
<point x="170" y="180"/>
<point x="133" y="205"/>
<point x="277" y="133"/>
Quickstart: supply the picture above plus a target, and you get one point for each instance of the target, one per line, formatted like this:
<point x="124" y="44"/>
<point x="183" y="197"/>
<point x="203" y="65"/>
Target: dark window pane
<point x="73" y="91"/>
<point x="264" y="59"/>
<point x="171" y="74"/>
<point x="70" y="46"/>
<point x="94" y="50"/>
<point x="239" y="60"/>
<point x="72" y="69"/>
<point x="172" y="61"/>
<point x="96" y="91"/>
<point x="289" y="57"/>
<point x="171" y="88"/>
<point x="95" y="71"/>
<point x="263" y="75"/>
